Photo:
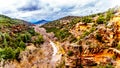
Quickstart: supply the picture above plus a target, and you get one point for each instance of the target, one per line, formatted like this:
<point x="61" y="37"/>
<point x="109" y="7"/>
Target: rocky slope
<point x="89" y="41"/>
<point x="71" y="42"/>
<point x="22" y="45"/>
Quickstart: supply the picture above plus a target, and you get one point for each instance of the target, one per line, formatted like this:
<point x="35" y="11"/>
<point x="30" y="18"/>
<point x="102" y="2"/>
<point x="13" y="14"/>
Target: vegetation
<point x="99" y="37"/>
<point x="106" y="66"/>
<point x="39" y="40"/>
<point x="14" y="34"/>
<point x="86" y="33"/>
<point x="64" y="25"/>
<point x="89" y="36"/>
<point x="87" y="19"/>
<point x="101" y="20"/>
<point x="61" y="34"/>
<point x="70" y="53"/>
<point x="109" y="14"/>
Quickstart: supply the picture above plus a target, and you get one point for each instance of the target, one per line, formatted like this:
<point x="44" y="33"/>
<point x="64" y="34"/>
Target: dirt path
<point x="48" y="38"/>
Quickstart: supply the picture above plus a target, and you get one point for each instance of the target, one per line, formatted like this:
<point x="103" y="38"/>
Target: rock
<point x="89" y="62"/>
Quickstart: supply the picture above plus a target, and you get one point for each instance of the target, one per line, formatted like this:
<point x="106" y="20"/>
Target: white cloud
<point x="53" y="9"/>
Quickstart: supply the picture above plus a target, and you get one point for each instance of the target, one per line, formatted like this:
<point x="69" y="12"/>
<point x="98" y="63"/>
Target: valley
<point x="91" y="41"/>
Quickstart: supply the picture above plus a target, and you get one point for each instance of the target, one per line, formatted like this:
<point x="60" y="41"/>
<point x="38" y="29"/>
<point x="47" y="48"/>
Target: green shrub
<point x="99" y="37"/>
<point x="118" y="46"/>
<point x="62" y="34"/>
<point x="26" y="37"/>
<point x="109" y="14"/>
<point x="38" y="40"/>
<point x="114" y="57"/>
<point x="32" y="31"/>
<point x="22" y="45"/>
<point x="87" y="19"/>
<point x="53" y="29"/>
<point x="101" y="20"/>
<point x="7" y="36"/>
<point x="70" y="53"/>
<point x="7" y="53"/>
<point x="86" y="33"/>
<point x="5" y="43"/>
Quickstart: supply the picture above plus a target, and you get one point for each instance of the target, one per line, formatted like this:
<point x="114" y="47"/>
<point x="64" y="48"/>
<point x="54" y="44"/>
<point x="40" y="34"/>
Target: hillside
<point x="72" y="27"/>
<point x="18" y="42"/>
<point x="88" y="41"/>
<point x="91" y="41"/>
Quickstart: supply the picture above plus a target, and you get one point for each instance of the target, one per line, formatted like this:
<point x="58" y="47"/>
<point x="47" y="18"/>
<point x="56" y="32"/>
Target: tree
<point x="109" y="14"/>
<point x="7" y="36"/>
<point x="62" y="34"/>
<point x="32" y="31"/>
<point x="87" y="19"/>
<point x="38" y="40"/>
<point x="99" y="37"/>
<point x="25" y="37"/>
<point x="101" y="20"/>
<point x="1" y="37"/>
<point x="22" y="45"/>
<point x="7" y="53"/>
<point x="70" y="53"/>
<point x="4" y="41"/>
<point x="28" y="37"/>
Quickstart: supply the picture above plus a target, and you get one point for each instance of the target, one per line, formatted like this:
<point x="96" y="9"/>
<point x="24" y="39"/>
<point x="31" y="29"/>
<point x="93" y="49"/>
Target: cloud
<point x="30" y="6"/>
<point x="33" y="10"/>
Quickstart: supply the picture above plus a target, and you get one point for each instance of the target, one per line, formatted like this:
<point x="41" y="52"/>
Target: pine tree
<point x="22" y="45"/>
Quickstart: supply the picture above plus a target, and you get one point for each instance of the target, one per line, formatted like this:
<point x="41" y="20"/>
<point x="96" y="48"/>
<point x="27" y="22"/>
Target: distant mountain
<point x="41" y="22"/>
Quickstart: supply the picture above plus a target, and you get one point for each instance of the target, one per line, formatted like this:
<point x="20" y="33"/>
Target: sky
<point x="34" y="10"/>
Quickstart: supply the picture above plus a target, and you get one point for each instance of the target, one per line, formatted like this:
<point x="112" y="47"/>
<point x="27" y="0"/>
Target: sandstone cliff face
<point x="100" y="47"/>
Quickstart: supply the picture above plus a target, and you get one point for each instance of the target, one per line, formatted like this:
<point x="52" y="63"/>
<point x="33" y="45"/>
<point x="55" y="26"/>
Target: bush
<point x="22" y="45"/>
<point x="32" y="31"/>
<point x="26" y="37"/>
<point x="62" y="34"/>
<point x="53" y="29"/>
<point x="109" y="14"/>
<point x="87" y="19"/>
<point x="118" y="46"/>
<point x="39" y="40"/>
<point x="99" y="37"/>
<point x="70" y="53"/>
<point x="7" y="36"/>
<point x="86" y="33"/>
<point x="7" y="53"/>
<point x="101" y="20"/>
<point x="5" y="41"/>
<point x="73" y="39"/>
